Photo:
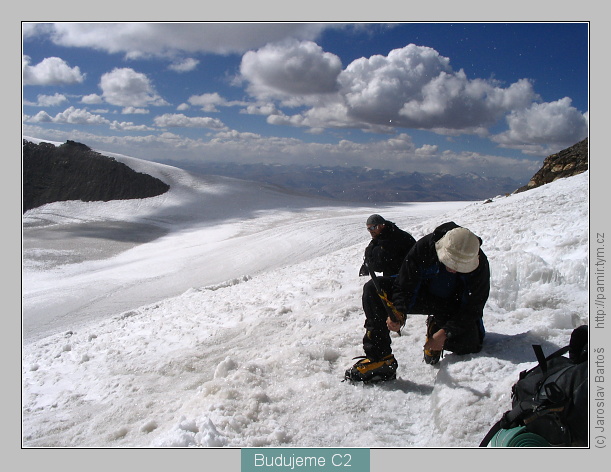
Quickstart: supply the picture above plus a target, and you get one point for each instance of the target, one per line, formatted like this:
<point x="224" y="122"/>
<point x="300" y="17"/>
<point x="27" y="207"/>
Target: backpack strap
<point x="495" y="429"/>
<point x="540" y="357"/>
<point x="542" y="360"/>
<point x="558" y="353"/>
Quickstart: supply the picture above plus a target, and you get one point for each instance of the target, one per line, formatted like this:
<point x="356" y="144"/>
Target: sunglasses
<point x="372" y="228"/>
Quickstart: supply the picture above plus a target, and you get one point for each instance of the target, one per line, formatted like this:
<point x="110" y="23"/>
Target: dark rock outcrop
<point x="73" y="171"/>
<point x="568" y="162"/>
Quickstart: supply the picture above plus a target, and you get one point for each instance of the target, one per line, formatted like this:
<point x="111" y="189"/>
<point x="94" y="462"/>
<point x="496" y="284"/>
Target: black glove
<point x="364" y="271"/>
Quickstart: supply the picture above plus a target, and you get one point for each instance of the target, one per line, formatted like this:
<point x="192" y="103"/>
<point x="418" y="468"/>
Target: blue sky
<point x="491" y="98"/>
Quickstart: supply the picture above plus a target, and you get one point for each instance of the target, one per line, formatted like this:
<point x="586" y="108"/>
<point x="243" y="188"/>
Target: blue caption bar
<point x="305" y="460"/>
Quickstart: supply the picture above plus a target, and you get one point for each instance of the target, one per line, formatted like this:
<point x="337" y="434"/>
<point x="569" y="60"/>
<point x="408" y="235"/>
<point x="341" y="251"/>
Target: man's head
<point x="375" y="225"/>
<point x="458" y="250"/>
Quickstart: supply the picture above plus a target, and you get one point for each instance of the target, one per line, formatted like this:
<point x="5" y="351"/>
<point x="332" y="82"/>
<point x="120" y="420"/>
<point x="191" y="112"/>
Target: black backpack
<point x="549" y="401"/>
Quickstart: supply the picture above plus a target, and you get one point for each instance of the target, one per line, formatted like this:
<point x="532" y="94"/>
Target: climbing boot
<point x="369" y="371"/>
<point x="430" y="356"/>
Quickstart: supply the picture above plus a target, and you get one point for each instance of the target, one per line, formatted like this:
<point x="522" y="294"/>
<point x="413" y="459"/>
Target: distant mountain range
<point x="365" y="185"/>
<point x="72" y="171"/>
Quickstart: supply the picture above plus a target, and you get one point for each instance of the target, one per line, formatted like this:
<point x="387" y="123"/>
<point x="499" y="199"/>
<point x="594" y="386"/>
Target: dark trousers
<point x="467" y="342"/>
<point x="376" y="342"/>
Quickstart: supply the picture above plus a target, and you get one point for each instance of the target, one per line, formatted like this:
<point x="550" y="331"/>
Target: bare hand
<point x="393" y="325"/>
<point x="436" y="342"/>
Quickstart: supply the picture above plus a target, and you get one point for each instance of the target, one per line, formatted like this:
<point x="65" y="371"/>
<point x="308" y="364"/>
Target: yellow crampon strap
<point x="365" y="367"/>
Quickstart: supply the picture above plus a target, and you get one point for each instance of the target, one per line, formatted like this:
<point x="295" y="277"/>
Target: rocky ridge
<point x="73" y="171"/>
<point x="566" y="163"/>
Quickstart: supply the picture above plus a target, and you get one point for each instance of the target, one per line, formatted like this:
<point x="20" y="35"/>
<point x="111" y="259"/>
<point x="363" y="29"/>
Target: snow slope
<point x="223" y="314"/>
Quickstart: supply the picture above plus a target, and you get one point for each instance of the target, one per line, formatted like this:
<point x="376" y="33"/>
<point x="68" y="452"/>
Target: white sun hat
<point x="458" y="250"/>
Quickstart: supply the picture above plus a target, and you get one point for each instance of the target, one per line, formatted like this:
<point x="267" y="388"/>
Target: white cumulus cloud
<point x="544" y="127"/>
<point x="92" y="99"/>
<point x="184" y="65"/>
<point x="70" y="115"/>
<point x="50" y="71"/>
<point x="178" y="120"/>
<point x="411" y="87"/>
<point x="134" y="111"/>
<point x="51" y="100"/>
<point x="208" y="102"/>
<point x="289" y="69"/>
<point x="127" y="88"/>
<point x="375" y="89"/>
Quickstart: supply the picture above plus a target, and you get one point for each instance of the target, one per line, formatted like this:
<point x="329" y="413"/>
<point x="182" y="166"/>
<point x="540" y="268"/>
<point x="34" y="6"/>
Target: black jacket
<point x="418" y="271"/>
<point x="386" y="252"/>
